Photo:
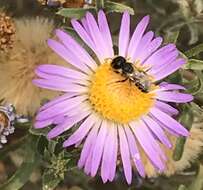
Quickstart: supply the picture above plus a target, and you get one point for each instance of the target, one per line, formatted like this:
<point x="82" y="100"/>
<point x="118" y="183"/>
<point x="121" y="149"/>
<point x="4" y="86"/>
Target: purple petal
<point x="137" y="35"/>
<point x="125" y="155"/>
<point x="174" y="96"/>
<point x="114" y="155"/>
<point x="155" y="57"/>
<point x="105" y="31"/>
<point x="67" y="55"/>
<point x="72" y="45"/>
<point x="124" y="34"/>
<point x="169" y="122"/>
<point x="166" y="108"/>
<point x="163" y="60"/>
<point x="60" y="108"/>
<point x="42" y="124"/>
<point x="86" y="27"/>
<point x="134" y="152"/>
<point x="83" y="34"/>
<point x="151" y="48"/>
<point x="167" y="86"/>
<point x="59" y="85"/>
<point x="59" y="119"/>
<point x="97" y="36"/>
<point x="144" y="42"/>
<point x="58" y="79"/>
<point x="89" y="142"/>
<point x="57" y="100"/>
<point x="147" y="144"/>
<point x="88" y="162"/>
<point x="81" y="132"/>
<point x="98" y="148"/>
<point x="154" y="143"/>
<point x="67" y="124"/>
<point x="169" y="69"/>
<point x="62" y="71"/>
<point x="157" y="130"/>
<point x="108" y="155"/>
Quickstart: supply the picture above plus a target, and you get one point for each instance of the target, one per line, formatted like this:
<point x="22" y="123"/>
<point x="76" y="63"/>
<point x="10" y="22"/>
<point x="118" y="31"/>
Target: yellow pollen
<point x="120" y="102"/>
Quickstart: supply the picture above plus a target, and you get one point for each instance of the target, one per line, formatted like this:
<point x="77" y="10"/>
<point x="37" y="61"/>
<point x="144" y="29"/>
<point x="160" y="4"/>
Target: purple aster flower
<point x="118" y="119"/>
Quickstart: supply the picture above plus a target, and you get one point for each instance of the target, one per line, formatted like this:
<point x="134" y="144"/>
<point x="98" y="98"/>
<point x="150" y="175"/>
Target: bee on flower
<point x="122" y="105"/>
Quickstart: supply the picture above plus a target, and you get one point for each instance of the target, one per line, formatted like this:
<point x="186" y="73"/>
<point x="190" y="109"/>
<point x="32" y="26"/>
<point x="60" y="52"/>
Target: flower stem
<point x="100" y="4"/>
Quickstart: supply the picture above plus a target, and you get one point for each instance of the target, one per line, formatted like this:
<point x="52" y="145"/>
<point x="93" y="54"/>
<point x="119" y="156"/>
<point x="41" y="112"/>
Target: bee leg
<point x="122" y="80"/>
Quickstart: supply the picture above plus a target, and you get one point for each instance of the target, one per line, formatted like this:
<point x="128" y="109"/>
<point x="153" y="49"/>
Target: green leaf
<point x="49" y="181"/>
<point x="194" y="51"/>
<point x="23" y="174"/>
<point x="196" y="109"/>
<point x="75" y="12"/>
<point x="39" y="132"/>
<point x="186" y="119"/>
<point x="172" y="37"/>
<point x="117" y="7"/>
<point x="197" y="87"/>
<point x="194" y="64"/>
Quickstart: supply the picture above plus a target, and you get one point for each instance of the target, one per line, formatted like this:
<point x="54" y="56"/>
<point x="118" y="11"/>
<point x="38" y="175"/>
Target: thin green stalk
<point x="100" y="4"/>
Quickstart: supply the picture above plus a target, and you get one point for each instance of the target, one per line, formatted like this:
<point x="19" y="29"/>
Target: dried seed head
<point x="7" y="31"/>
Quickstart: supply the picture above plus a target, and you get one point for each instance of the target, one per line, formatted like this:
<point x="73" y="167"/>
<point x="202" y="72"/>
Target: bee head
<point x="118" y="62"/>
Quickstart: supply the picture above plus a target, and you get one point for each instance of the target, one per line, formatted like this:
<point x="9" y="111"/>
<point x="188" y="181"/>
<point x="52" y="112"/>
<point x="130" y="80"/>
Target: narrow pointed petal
<point x="135" y="155"/>
<point x="105" y="31"/>
<point x="108" y="154"/>
<point x="60" y="79"/>
<point x="163" y="60"/>
<point x="124" y="34"/>
<point x="97" y="36"/>
<point x="57" y="100"/>
<point x="81" y="132"/>
<point x="91" y="138"/>
<point x="137" y="35"/>
<point x="59" y="129"/>
<point x="167" y="86"/>
<point x="83" y="34"/>
<point x="60" y="108"/>
<point x="42" y="124"/>
<point x="144" y="42"/>
<point x="62" y="71"/>
<point x="154" y="143"/>
<point x="67" y="55"/>
<point x="147" y="146"/>
<point x="98" y="148"/>
<point x="166" y="108"/>
<point x="114" y="155"/>
<point x="72" y="45"/>
<point x="173" y="96"/>
<point x="151" y="48"/>
<point x="160" y="53"/>
<point x="168" y="69"/>
<point x="88" y="162"/>
<point x="125" y="155"/>
<point x="169" y="122"/>
<point x="157" y="130"/>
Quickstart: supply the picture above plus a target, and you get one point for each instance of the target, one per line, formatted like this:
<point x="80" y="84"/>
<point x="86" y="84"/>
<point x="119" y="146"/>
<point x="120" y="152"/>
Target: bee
<point x="139" y="77"/>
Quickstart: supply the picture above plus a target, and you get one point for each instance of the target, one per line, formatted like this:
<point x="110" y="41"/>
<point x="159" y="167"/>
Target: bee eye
<point x="118" y="62"/>
<point x="128" y="68"/>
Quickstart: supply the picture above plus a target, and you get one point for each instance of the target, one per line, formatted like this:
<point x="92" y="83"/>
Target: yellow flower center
<point x="117" y="101"/>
